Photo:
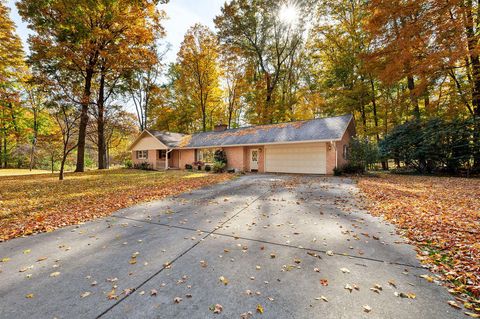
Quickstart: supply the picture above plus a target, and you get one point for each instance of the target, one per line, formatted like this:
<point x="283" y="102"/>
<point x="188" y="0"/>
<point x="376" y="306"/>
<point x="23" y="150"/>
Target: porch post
<point x="166" y="158"/>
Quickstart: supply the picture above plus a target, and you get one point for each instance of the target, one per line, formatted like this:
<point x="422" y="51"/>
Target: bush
<point x="188" y="166"/>
<point x="337" y="171"/>
<point x="198" y="165"/>
<point x="362" y="154"/>
<point x="348" y="168"/>
<point x="208" y="168"/>
<point x="434" y="145"/>
<point x="218" y="167"/>
<point x="128" y="163"/>
<point x="220" y="156"/>
<point x="144" y="166"/>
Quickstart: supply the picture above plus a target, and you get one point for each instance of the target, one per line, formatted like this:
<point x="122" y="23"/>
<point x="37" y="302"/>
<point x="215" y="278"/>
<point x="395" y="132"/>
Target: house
<point x="310" y="147"/>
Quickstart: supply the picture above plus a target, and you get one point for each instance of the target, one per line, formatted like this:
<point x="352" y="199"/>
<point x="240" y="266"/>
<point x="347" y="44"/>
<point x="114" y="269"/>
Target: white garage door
<point x="296" y="158"/>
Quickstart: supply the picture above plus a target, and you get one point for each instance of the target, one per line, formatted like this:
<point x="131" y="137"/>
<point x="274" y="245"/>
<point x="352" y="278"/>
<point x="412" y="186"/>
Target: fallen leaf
<point x="85" y="294"/>
<point x="259" y="308"/>
<point x="427" y="278"/>
<point x="177" y="300"/>
<point x="29" y="296"/>
<point x="345" y="270"/>
<point x="454" y="304"/>
<point x="218" y="308"/>
<point x="153" y="292"/>
<point x="367" y="308"/>
<point x="324" y="282"/>
<point x="223" y="280"/>
<point x="55" y="274"/>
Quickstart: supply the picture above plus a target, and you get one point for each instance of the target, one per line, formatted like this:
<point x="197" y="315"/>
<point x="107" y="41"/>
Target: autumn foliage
<point x="40" y="203"/>
<point x="438" y="214"/>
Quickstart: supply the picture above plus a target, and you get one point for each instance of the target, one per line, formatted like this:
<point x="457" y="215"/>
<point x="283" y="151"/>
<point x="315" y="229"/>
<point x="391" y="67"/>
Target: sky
<point x="182" y="15"/>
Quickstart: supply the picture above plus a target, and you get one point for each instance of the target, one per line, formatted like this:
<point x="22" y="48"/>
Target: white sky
<point x="182" y="15"/>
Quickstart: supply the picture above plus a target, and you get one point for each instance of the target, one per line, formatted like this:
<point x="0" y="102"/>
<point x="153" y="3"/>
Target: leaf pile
<point x="42" y="203"/>
<point x="441" y="216"/>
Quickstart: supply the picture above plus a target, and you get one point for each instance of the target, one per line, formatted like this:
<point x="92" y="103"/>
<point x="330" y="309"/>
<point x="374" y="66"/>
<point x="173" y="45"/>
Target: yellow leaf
<point x="29" y="296"/>
<point x="259" y="308"/>
<point x="223" y="280"/>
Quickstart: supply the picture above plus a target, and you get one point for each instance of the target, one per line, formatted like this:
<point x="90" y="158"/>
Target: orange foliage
<point x="441" y="216"/>
<point x="41" y="203"/>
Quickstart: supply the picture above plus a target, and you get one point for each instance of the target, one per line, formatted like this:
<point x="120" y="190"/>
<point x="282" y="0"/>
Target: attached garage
<point x="305" y="158"/>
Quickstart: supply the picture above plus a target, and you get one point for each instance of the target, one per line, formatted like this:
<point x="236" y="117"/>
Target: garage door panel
<point x="296" y="158"/>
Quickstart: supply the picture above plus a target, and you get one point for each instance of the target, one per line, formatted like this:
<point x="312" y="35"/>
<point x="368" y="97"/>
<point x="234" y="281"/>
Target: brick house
<point x="309" y="147"/>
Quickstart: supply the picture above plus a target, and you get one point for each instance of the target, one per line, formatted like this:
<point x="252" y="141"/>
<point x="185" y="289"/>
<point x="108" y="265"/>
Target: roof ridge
<point x="279" y="123"/>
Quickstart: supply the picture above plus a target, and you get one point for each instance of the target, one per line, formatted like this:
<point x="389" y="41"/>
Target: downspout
<point x="336" y="153"/>
<point x="166" y="158"/>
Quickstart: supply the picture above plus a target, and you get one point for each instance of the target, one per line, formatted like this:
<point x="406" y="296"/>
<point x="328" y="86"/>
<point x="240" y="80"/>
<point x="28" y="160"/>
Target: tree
<point x="198" y="70"/>
<point x="141" y="86"/>
<point x="77" y="36"/>
<point x="67" y="117"/>
<point x="11" y="75"/>
<point x="233" y="71"/>
<point x="257" y="29"/>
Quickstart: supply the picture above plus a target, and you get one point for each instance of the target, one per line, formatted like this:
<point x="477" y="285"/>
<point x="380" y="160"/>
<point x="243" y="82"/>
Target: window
<point x="205" y="155"/>
<point x="142" y="154"/>
<point x="162" y="154"/>
<point x="345" y="151"/>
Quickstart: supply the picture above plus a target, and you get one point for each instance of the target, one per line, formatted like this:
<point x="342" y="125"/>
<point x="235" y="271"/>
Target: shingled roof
<point x="322" y="129"/>
<point x="168" y="138"/>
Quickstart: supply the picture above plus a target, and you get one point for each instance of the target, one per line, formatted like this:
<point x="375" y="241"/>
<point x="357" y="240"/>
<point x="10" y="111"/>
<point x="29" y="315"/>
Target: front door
<point x="254" y="160"/>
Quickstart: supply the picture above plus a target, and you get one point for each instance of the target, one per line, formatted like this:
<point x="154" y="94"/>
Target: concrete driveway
<point x="290" y="246"/>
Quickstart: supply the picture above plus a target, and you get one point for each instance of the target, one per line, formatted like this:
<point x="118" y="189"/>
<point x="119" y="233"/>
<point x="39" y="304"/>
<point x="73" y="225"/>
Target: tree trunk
<point x="101" y="123"/>
<point x="53" y="162"/>
<point x="62" y="167"/>
<point x="375" y="121"/>
<point x="413" y="96"/>
<point x="34" y="141"/>
<point x="5" y="148"/>
<point x="82" y="130"/>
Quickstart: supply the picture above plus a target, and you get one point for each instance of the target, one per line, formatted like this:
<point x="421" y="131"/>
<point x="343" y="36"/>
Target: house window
<point x="162" y="154"/>
<point x="142" y="154"/>
<point x="345" y="151"/>
<point x="205" y="155"/>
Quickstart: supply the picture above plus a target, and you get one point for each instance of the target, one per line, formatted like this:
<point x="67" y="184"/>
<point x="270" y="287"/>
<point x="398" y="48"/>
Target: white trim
<point x="166" y="158"/>
<point x="140" y="136"/>
<point x="258" y="155"/>
<point x="260" y="144"/>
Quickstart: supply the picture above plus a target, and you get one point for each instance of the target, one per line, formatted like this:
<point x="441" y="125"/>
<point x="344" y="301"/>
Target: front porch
<point x="157" y="159"/>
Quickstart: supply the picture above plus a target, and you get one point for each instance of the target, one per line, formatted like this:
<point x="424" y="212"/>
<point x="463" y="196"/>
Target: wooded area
<point x="395" y="65"/>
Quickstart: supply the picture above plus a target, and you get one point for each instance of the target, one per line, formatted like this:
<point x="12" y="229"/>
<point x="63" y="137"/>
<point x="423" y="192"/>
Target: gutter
<point x="257" y="144"/>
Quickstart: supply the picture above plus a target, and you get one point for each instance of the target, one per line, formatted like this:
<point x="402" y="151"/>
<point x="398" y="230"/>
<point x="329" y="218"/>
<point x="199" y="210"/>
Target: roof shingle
<point x="323" y="129"/>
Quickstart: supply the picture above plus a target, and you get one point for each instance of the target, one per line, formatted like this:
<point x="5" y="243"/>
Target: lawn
<point x="39" y="203"/>
<point x="21" y="171"/>
<point x="441" y="216"/>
